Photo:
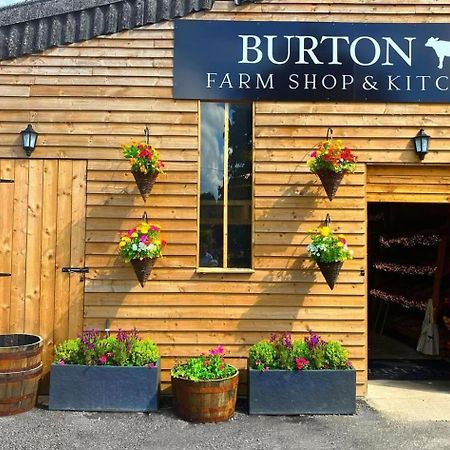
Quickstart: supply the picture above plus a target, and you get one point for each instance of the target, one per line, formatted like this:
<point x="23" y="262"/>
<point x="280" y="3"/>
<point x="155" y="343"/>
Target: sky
<point x="10" y="2"/>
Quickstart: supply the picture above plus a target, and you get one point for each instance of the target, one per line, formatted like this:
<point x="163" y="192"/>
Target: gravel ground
<point x="42" y="429"/>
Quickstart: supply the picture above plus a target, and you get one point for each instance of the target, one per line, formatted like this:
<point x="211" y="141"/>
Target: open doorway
<point x="409" y="272"/>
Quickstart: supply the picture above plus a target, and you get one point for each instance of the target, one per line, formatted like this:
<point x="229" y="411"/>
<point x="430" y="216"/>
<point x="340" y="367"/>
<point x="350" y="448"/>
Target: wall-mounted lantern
<point x="421" y="143"/>
<point x="29" y="139"/>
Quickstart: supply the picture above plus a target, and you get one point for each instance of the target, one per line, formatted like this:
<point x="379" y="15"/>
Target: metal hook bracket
<point x="147" y="134"/>
<point x="145" y="217"/>
<point x="329" y="133"/>
<point x="327" y="220"/>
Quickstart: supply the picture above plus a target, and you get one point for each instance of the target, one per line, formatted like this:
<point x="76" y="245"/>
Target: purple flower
<point x="61" y="362"/>
<point x="273" y="337"/>
<point x="314" y="341"/>
<point x="266" y="369"/>
<point x="287" y="340"/>
<point x="151" y="365"/>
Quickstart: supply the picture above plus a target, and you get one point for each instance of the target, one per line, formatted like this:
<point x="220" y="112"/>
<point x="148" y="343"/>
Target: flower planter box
<point x="104" y="388"/>
<point x="285" y="392"/>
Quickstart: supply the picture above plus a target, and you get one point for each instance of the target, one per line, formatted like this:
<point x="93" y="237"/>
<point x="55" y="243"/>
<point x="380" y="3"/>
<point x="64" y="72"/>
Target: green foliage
<point x="69" y="352"/>
<point x="124" y="349"/>
<point x="312" y="353"/>
<point x="205" y="367"/>
<point x="144" y="353"/>
<point x="335" y="355"/>
<point x="262" y="355"/>
<point x="300" y="350"/>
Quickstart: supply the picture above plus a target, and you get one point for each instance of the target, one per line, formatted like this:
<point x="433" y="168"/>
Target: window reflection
<point x="239" y="185"/>
<point x="231" y="123"/>
<point x="211" y="184"/>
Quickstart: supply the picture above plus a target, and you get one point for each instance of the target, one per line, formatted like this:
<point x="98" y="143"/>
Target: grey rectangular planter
<point x="104" y="388"/>
<point x="284" y="392"/>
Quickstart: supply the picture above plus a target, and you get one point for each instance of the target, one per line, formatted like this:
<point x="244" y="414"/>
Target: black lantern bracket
<point x="421" y="143"/>
<point x="29" y="139"/>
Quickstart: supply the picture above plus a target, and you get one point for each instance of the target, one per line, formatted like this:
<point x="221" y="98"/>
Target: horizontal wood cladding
<point x="86" y="99"/>
<point x="408" y="184"/>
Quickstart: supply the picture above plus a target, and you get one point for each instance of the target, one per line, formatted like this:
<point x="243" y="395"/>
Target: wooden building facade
<point x="73" y="198"/>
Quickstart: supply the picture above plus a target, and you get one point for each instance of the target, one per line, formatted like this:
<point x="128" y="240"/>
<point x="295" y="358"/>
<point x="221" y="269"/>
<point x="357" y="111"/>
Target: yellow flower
<point x="341" y="236"/>
<point x="134" y="235"/>
<point x="325" y="231"/>
<point x="143" y="228"/>
<point x="132" y="161"/>
<point x="143" y="169"/>
<point x="122" y="244"/>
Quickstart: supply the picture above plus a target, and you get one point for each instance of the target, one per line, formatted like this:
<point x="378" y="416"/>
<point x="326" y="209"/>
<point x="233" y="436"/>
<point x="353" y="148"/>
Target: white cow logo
<point x="442" y="49"/>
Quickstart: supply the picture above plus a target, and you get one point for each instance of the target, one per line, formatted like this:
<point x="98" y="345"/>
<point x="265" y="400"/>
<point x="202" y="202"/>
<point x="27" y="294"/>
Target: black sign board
<point x="236" y="60"/>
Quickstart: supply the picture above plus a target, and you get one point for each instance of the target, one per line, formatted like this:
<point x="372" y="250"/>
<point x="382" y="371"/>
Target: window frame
<point x="224" y="269"/>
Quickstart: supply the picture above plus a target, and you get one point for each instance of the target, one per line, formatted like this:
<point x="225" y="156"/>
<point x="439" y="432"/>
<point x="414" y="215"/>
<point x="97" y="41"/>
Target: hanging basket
<point x="330" y="271"/>
<point x="143" y="268"/>
<point x="330" y="181"/>
<point x="145" y="182"/>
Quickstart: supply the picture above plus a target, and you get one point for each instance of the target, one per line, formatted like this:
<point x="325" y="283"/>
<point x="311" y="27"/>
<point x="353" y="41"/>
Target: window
<point x="226" y="207"/>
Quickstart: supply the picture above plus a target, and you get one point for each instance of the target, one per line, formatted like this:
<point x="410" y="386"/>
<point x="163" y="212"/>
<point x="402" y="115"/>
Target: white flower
<point x="134" y="247"/>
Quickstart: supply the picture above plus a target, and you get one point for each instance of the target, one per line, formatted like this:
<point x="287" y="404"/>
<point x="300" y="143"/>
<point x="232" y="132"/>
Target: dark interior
<point x="409" y="266"/>
<point x="14" y="340"/>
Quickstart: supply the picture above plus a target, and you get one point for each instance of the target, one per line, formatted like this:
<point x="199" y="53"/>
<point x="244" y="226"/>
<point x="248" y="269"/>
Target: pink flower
<point x="151" y="365"/>
<point x="313" y="154"/>
<point x="266" y="369"/>
<point x="216" y="351"/>
<point x="103" y="359"/>
<point x="61" y="362"/>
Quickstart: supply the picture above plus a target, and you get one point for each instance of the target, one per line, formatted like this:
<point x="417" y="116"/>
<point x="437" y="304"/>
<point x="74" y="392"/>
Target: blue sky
<point x="10" y="2"/>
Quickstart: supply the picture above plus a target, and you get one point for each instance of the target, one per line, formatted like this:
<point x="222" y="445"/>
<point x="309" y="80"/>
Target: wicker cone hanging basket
<point x="330" y="271"/>
<point x="330" y="181"/>
<point x="143" y="268"/>
<point x="145" y="182"/>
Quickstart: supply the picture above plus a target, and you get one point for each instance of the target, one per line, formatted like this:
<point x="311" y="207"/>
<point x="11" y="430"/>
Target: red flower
<point x="301" y="363"/>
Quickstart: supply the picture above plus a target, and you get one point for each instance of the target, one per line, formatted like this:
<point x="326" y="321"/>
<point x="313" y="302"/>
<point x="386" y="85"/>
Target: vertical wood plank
<point x="62" y="280"/>
<point x="77" y="258"/>
<point x="49" y="219"/>
<point x="33" y="248"/>
<point x="18" y="279"/>
<point x="6" y="226"/>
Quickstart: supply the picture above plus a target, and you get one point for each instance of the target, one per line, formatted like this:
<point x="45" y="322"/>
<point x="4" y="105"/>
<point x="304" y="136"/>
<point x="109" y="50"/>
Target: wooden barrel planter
<point x="20" y="371"/>
<point x="205" y="401"/>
